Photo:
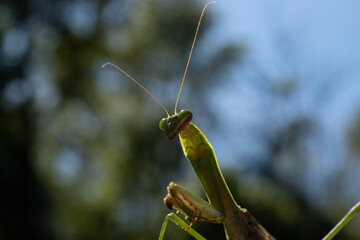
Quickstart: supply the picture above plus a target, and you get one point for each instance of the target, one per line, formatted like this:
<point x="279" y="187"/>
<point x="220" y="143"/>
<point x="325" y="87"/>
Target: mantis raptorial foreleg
<point x="193" y="207"/>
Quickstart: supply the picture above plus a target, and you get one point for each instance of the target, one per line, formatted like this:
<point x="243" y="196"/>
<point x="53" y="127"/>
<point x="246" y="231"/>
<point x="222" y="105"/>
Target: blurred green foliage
<point x="81" y="153"/>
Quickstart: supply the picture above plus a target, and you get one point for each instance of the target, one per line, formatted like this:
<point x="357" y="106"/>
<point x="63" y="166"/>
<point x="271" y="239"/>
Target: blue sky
<point x="323" y="38"/>
<point x="317" y="43"/>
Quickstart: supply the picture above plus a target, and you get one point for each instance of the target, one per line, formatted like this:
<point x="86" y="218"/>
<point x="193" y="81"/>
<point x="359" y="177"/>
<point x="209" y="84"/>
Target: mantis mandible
<point x="221" y="208"/>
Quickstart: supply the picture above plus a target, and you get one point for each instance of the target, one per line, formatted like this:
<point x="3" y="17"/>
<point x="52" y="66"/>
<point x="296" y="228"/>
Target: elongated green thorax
<point x="202" y="157"/>
<point x="239" y="223"/>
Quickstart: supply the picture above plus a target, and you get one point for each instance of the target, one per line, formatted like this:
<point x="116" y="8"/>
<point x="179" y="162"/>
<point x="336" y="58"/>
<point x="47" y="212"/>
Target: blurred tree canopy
<point x="81" y="153"/>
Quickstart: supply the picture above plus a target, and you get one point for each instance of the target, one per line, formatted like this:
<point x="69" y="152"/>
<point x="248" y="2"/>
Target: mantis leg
<point x="178" y="221"/>
<point x="353" y="211"/>
<point x="192" y="206"/>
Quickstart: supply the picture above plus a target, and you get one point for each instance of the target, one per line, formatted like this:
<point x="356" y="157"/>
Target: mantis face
<point x="174" y="124"/>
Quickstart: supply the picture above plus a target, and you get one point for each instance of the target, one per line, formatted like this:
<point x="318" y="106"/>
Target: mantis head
<point x="173" y="125"/>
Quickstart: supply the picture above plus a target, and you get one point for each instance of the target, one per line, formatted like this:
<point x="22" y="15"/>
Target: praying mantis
<point x="221" y="207"/>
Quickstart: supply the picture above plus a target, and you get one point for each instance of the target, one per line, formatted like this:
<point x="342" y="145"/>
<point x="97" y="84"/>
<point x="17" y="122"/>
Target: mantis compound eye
<point x="162" y="124"/>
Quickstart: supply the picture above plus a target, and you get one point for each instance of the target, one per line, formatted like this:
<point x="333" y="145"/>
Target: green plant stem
<point x="353" y="211"/>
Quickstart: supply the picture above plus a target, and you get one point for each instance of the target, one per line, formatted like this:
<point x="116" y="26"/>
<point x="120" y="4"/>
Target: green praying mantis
<point x="221" y="207"/>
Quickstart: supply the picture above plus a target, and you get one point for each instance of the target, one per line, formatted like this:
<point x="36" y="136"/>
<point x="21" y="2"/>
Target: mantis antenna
<point x="118" y="68"/>
<point x="192" y="48"/>
<point x="187" y="65"/>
